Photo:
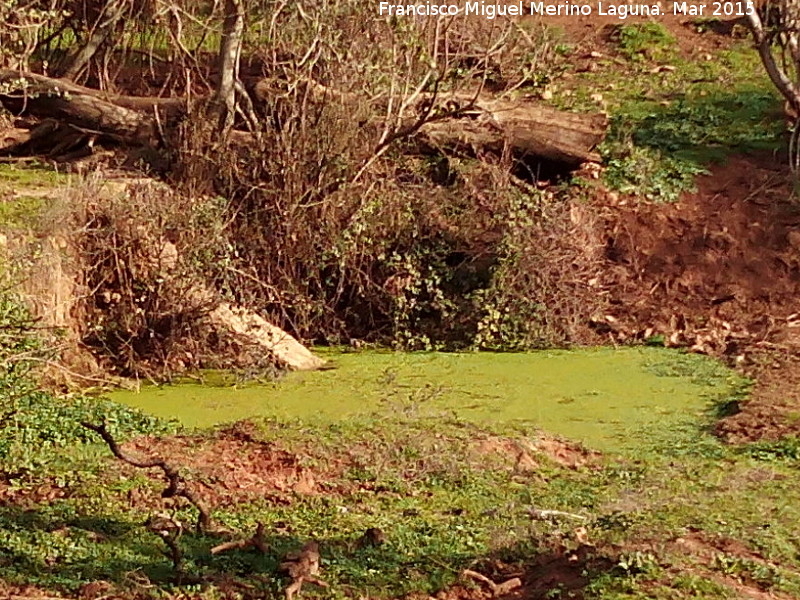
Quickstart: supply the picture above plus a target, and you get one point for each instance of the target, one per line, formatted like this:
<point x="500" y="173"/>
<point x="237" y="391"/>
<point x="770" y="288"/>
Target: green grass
<point x="639" y="41"/>
<point x="668" y="126"/>
<point x="443" y="507"/>
<point x="25" y="192"/>
<point x="29" y="176"/>
<point x="448" y="495"/>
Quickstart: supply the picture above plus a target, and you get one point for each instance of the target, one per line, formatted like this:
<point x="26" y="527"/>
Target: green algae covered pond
<point x="603" y="397"/>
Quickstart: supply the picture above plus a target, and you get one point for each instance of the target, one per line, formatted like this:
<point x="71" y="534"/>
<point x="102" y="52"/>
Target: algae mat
<point x="603" y="397"/>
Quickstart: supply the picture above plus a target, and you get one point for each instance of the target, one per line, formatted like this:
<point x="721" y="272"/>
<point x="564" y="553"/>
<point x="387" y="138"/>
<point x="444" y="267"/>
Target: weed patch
<point x="785" y="450"/>
<point x="640" y="41"/>
<point x="37" y="425"/>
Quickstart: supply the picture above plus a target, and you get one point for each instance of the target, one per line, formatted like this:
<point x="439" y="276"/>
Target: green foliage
<point x="708" y="127"/>
<point x="20" y="212"/>
<point x="510" y="318"/>
<point x="638" y="563"/>
<point x="444" y="504"/>
<point x="657" y="150"/>
<point x="764" y="574"/>
<point x="648" y="173"/>
<point x="424" y="273"/>
<point x="439" y="510"/>
<point x="645" y="40"/>
<point x="37" y="424"/>
<point x="668" y="126"/>
<point x="785" y="450"/>
<point x="530" y="302"/>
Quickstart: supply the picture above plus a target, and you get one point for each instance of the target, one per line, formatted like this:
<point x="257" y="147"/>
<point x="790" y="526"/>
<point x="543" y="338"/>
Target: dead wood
<point x="302" y="567"/>
<point x="255" y="541"/>
<point x="454" y="122"/>
<point x="524" y="127"/>
<point x="126" y="119"/>
<point x="476" y="123"/>
<point x="170" y="531"/>
<point x="176" y="483"/>
<point x="85" y="110"/>
<point x="34" y="83"/>
<point x="497" y="589"/>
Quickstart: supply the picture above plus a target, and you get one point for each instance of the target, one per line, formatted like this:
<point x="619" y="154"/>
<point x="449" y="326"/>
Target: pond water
<point x="603" y="397"/>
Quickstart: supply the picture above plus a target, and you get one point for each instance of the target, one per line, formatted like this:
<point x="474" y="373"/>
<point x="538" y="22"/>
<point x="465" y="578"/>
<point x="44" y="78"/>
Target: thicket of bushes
<point x="331" y="223"/>
<point x="335" y="233"/>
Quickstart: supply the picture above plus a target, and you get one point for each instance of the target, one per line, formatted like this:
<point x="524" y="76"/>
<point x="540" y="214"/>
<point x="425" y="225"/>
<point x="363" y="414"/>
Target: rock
<point x="256" y="330"/>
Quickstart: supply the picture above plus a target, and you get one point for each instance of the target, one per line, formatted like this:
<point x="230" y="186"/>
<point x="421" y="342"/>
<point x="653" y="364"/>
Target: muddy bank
<point x="717" y="272"/>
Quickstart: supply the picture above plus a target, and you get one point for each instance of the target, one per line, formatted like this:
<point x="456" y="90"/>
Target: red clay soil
<point x="718" y="273"/>
<point x="562" y="569"/>
<point x="594" y="32"/>
<point x="773" y="408"/>
<point x="234" y="467"/>
<point x="524" y="456"/>
<point x="708" y="547"/>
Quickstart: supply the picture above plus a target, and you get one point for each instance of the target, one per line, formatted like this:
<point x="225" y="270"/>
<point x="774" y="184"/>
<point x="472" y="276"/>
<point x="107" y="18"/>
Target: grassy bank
<point x="685" y="517"/>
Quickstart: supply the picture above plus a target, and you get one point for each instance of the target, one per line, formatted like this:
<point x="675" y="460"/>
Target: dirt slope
<point x="718" y="270"/>
<point x="719" y="273"/>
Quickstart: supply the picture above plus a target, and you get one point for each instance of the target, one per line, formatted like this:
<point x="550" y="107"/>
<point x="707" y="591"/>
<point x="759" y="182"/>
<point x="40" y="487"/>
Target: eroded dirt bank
<point x="719" y="273"/>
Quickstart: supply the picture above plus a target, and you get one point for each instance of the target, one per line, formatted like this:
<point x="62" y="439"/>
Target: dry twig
<point x="176" y="483"/>
<point x="302" y="567"/>
<point x="498" y="589"/>
<point x="256" y="541"/>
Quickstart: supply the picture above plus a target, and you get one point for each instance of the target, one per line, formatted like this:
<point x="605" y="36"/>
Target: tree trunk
<point x="229" y="53"/>
<point x="127" y="119"/>
<point x="101" y="30"/>
<point x="22" y="82"/>
<point x="523" y="127"/>
<point x="52" y="98"/>
<point x="782" y="38"/>
<point x="477" y="125"/>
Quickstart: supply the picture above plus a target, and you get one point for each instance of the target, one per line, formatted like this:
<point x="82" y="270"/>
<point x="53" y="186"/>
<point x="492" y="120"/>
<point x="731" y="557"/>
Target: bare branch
<point x="176" y="483"/>
<point x="255" y="541"/>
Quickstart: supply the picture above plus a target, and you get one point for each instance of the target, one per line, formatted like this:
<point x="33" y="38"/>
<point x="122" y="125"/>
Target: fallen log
<point x="480" y="123"/>
<point x="126" y="119"/>
<point x="54" y="99"/>
<point x="524" y="127"/>
<point x="171" y="107"/>
<point x="460" y="122"/>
